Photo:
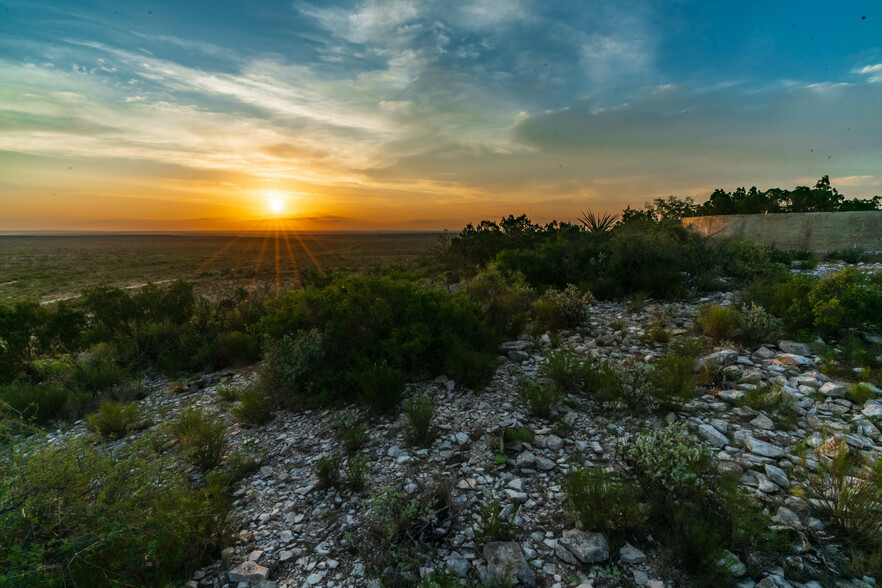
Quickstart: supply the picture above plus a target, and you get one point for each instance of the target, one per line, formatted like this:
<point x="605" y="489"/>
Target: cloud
<point x="873" y="72"/>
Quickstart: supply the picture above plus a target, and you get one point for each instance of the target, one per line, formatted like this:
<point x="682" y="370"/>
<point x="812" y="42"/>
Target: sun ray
<point x="315" y="262"/>
<point x="278" y="258"/>
<point x="294" y="264"/>
<point x="260" y="257"/>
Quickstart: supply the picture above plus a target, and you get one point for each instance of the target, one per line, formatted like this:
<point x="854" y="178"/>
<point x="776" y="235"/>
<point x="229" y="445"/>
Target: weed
<point x="327" y="470"/>
<point x="227" y="393"/>
<point x="563" y="369"/>
<point x="354" y="437"/>
<point x="657" y="334"/>
<point x="254" y="405"/>
<point x="617" y="325"/>
<point x="603" y="502"/>
<point x="849" y="495"/>
<point x="540" y="397"/>
<point x="861" y="392"/>
<point x="398" y="528"/>
<point x="357" y="467"/>
<point x="420" y="413"/>
<point x="718" y="322"/>
<point x="519" y="434"/>
<point x="113" y="419"/>
<point x="494" y="524"/>
<point x="673" y="378"/>
<point x="203" y="439"/>
<point x="636" y="301"/>
<point x="772" y="399"/>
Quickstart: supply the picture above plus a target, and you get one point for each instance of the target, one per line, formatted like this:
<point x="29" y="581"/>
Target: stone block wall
<point x="819" y="232"/>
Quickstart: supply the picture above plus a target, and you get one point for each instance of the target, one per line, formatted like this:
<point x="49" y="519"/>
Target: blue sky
<point x="408" y="114"/>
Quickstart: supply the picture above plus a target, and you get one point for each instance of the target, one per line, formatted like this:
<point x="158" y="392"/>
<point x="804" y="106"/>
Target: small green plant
<point x="657" y="334"/>
<point x="861" y="392"/>
<point x="113" y="419"/>
<point x="227" y="393"/>
<point x="603" y="502"/>
<point x="617" y="325"/>
<point x="354" y="437"/>
<point x="254" y="406"/>
<point x="493" y="526"/>
<point x="772" y="399"/>
<point x="327" y="470"/>
<point x="420" y="413"/>
<point x="636" y="301"/>
<point x="399" y="527"/>
<point x="518" y="434"/>
<point x="203" y="439"/>
<point x="673" y="379"/>
<point x="719" y="322"/>
<point x="540" y="397"/>
<point x="357" y="467"/>
<point x="563" y="369"/>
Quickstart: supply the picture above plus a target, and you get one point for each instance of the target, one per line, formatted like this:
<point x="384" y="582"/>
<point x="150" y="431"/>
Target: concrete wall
<point x="812" y="231"/>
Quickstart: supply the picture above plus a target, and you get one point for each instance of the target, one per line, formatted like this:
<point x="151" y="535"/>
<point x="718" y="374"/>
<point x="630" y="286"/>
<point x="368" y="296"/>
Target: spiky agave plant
<point x="596" y="222"/>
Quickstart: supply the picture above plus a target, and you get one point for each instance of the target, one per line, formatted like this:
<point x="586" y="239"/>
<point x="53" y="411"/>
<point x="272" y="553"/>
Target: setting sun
<point x="276" y="204"/>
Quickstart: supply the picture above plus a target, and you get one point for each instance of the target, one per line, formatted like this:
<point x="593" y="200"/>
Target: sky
<point x="423" y="115"/>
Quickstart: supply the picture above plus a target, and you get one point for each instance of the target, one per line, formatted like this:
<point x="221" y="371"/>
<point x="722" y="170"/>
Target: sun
<point x="276" y="204"/>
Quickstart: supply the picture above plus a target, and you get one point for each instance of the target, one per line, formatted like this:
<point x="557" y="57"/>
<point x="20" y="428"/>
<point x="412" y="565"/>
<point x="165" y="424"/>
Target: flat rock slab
<point x="248" y="571"/>
<point x="586" y="547"/>
<point x="763" y="448"/>
<point x="505" y="560"/>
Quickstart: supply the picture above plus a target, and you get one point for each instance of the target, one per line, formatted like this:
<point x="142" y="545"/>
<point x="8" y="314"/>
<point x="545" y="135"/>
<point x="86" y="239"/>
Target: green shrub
<point x="758" y="326"/>
<point x="229" y="349"/>
<point x="559" y="310"/>
<point x="381" y="388"/>
<point x="292" y="366"/>
<point x="861" y="392"/>
<point x="845" y="300"/>
<point x="657" y="334"/>
<point x="563" y="369"/>
<point x="493" y="526"/>
<point x="254" y="406"/>
<point x="327" y="470"/>
<point x="627" y="386"/>
<point x="72" y="515"/>
<point x="420" y="413"/>
<point x="227" y="393"/>
<point x="720" y="323"/>
<point x="40" y="403"/>
<point x="357" y="467"/>
<point x="354" y="437"/>
<point x="671" y="465"/>
<point x="203" y="439"/>
<point x="113" y="419"/>
<point x="603" y="502"/>
<point x="472" y="369"/>
<point x="772" y="399"/>
<point x="504" y="298"/>
<point x="374" y="331"/>
<point x="601" y="380"/>
<point x="399" y="528"/>
<point x="848" y="495"/>
<point x="540" y="397"/>
<point x="746" y="260"/>
<point x="673" y="378"/>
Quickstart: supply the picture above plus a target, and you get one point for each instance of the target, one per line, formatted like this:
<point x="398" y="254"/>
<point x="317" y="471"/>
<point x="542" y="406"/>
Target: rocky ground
<point x="292" y="533"/>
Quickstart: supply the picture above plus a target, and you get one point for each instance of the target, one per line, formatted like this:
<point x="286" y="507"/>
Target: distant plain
<point x="50" y="268"/>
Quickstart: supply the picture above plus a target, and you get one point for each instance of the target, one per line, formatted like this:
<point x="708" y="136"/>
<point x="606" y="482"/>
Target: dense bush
<point x="113" y="419"/>
<point x="562" y="310"/>
<point x="720" y="323"/>
<point x="71" y="515"/>
<point x="371" y="331"/>
<point x="830" y="306"/>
